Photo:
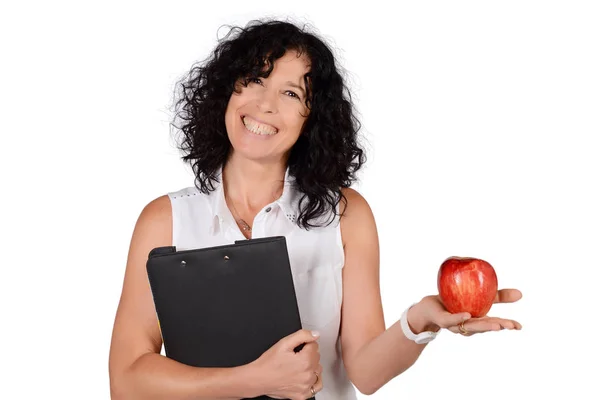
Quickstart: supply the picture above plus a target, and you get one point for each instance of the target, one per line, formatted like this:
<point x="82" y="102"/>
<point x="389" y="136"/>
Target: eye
<point x="292" y="94"/>
<point x="248" y="80"/>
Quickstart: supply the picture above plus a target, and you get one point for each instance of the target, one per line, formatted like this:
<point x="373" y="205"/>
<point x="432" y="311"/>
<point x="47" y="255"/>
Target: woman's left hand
<point x="436" y="313"/>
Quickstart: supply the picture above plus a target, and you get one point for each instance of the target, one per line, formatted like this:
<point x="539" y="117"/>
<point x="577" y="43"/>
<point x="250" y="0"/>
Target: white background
<point x="481" y="121"/>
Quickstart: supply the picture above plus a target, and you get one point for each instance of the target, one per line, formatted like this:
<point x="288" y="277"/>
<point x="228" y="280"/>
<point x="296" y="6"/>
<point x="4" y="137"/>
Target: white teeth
<point x="258" y="128"/>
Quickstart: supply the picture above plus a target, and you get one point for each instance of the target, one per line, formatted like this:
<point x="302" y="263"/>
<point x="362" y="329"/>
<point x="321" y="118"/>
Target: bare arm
<point x="372" y="355"/>
<point x="137" y="369"/>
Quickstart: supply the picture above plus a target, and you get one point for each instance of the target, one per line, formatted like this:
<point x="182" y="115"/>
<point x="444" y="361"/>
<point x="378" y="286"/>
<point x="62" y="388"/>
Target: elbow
<point x="120" y="384"/>
<point x="116" y="394"/>
<point x="121" y="389"/>
<point x="367" y="390"/>
<point x="365" y="385"/>
<point x="124" y="381"/>
<point x="364" y="382"/>
<point x="117" y="390"/>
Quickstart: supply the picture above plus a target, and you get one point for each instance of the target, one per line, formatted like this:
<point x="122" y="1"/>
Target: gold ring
<point x="312" y="391"/>
<point x="462" y="330"/>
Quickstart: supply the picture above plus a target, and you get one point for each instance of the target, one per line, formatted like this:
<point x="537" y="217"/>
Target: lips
<point x="258" y="127"/>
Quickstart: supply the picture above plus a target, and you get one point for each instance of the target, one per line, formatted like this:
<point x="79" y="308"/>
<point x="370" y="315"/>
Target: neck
<point x="251" y="185"/>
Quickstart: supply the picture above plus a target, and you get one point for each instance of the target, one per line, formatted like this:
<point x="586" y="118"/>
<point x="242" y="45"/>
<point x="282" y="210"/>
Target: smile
<point x="258" y="128"/>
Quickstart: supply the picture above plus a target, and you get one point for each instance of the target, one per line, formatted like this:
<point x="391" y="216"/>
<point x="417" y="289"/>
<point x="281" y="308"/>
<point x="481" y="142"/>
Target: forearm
<point x="387" y="355"/>
<point x="154" y="376"/>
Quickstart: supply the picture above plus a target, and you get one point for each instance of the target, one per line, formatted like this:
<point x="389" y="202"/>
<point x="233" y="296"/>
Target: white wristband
<point x="421" y="338"/>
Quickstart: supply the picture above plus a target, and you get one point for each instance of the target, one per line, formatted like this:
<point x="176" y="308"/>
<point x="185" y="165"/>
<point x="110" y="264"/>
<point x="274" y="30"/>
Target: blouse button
<point x="268" y="209"/>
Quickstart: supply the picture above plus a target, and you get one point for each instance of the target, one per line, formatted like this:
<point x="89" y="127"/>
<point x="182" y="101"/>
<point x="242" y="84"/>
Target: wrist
<point x="418" y="321"/>
<point x="249" y="377"/>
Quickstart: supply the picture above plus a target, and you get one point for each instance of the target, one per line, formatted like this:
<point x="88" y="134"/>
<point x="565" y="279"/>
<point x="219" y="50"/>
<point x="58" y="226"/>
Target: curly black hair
<point x="326" y="156"/>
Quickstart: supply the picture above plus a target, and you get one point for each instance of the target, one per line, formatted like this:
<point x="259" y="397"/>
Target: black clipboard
<point x="223" y="306"/>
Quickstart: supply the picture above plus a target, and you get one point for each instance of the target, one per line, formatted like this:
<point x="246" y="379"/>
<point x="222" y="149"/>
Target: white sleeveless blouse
<point x="316" y="259"/>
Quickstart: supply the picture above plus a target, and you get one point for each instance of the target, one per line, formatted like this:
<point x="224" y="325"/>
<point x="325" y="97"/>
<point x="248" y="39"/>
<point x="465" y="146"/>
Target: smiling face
<point x="266" y="117"/>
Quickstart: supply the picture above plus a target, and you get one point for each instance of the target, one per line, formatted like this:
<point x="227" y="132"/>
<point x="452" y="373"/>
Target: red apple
<point x="467" y="284"/>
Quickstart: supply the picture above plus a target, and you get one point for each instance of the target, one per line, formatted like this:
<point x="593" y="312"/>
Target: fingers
<point x="311" y="352"/>
<point x="318" y="385"/>
<point x="312" y="348"/>
<point x="299" y="337"/>
<point x="448" y="319"/>
<point x="508" y="296"/>
<point x="487" y="324"/>
<point x="442" y="317"/>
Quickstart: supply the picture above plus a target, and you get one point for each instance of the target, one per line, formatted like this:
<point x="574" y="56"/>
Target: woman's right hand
<point x="286" y="374"/>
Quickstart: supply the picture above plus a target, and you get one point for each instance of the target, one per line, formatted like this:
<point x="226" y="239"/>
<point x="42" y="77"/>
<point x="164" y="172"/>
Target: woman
<point x="269" y="130"/>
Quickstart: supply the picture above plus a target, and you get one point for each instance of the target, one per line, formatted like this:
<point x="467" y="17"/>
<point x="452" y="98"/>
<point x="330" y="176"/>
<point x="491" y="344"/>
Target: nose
<point x="267" y="101"/>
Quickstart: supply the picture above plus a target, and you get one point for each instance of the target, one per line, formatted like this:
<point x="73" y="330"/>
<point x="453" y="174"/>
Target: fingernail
<point x="466" y="317"/>
<point x="315" y="333"/>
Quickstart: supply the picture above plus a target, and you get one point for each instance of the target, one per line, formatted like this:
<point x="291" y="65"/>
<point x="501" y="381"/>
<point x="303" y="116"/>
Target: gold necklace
<point x="240" y="221"/>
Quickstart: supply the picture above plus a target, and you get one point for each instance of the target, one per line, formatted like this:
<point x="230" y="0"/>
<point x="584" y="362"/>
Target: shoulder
<point x="356" y="215"/>
<point x="159" y="211"/>
<point x="156" y="215"/>
<point x="355" y="205"/>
